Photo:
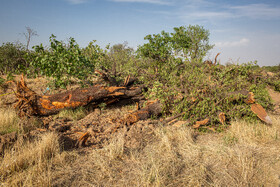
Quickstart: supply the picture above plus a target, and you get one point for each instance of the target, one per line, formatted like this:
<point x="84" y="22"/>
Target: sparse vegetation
<point x="72" y="114"/>
<point x="274" y="69"/>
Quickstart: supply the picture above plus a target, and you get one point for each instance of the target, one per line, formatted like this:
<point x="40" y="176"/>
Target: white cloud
<point x="160" y="2"/>
<point x="257" y="11"/>
<point x="241" y="42"/>
<point x="215" y="15"/>
<point x="77" y="1"/>
<point x="214" y="11"/>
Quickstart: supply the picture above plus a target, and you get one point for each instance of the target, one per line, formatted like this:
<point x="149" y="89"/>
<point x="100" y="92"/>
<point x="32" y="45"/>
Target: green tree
<point x="158" y="47"/>
<point x="198" y="42"/>
<point x="119" y="56"/>
<point x="180" y="41"/>
<point x="190" y="43"/>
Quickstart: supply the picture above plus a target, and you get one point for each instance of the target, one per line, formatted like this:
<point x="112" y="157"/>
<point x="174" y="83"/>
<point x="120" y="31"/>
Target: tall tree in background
<point x="191" y="43"/>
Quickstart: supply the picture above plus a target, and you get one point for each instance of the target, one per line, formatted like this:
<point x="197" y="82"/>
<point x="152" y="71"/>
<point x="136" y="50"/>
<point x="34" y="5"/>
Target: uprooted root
<point x="26" y="99"/>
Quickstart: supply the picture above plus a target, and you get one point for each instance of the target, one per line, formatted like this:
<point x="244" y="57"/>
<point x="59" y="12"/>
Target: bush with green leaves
<point x="158" y="48"/>
<point x="11" y="58"/>
<point x="94" y="53"/>
<point x="64" y="61"/>
<point x="119" y="58"/>
<point x="198" y="42"/>
<point x="274" y="82"/>
<point x="202" y="91"/>
<point x="119" y="61"/>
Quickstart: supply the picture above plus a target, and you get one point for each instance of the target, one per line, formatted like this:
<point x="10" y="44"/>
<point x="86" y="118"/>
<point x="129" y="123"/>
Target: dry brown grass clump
<point x="245" y="155"/>
<point x="30" y="163"/>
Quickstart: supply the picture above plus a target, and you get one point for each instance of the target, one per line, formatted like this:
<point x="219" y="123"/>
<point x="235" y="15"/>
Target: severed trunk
<point x="30" y="103"/>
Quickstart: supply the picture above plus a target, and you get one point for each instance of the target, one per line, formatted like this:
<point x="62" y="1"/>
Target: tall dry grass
<point x="245" y="155"/>
<point x="30" y="163"/>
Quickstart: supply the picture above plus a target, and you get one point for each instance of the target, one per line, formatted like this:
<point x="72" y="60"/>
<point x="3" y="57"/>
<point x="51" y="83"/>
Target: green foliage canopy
<point x="191" y="43"/>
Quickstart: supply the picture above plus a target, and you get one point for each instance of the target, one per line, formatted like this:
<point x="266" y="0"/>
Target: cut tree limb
<point x="30" y="103"/>
<point x="153" y="108"/>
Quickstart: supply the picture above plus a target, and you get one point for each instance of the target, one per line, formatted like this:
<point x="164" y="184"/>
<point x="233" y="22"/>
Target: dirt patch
<point x="275" y="96"/>
<point x="139" y="135"/>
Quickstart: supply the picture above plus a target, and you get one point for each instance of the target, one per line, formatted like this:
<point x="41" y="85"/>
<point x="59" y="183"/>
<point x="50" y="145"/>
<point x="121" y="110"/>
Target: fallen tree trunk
<point x="30" y="103"/>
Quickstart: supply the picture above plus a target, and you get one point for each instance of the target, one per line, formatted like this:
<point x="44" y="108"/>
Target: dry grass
<point x="9" y="121"/>
<point x="245" y="155"/>
<point x="30" y="163"/>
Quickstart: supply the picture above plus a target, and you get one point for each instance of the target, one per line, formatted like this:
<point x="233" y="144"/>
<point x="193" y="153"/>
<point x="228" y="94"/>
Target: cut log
<point x="201" y="123"/>
<point x="153" y="108"/>
<point x="30" y="103"/>
<point x="261" y="113"/>
<point x="222" y="117"/>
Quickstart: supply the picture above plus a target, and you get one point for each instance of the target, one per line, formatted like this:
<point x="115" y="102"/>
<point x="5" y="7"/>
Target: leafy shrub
<point x="177" y="77"/>
<point x="11" y="58"/>
<point x="94" y="53"/>
<point x="119" y="57"/>
<point x="158" y="47"/>
<point x="274" y="82"/>
<point x="63" y="61"/>
<point x="198" y="45"/>
<point x="277" y="86"/>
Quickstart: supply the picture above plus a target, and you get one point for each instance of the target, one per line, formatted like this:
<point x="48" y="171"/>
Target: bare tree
<point x="28" y="35"/>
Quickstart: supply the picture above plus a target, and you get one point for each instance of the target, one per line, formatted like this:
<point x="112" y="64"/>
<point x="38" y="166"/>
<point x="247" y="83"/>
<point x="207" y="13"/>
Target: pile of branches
<point x="207" y="94"/>
<point x="208" y="101"/>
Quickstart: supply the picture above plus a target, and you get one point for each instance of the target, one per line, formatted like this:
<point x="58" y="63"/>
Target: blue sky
<point x="242" y="30"/>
